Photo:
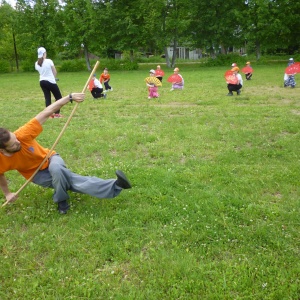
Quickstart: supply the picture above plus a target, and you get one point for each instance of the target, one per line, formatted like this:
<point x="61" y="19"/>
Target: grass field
<point x="214" y="208"/>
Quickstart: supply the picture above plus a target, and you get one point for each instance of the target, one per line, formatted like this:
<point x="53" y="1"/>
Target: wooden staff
<point x="59" y="136"/>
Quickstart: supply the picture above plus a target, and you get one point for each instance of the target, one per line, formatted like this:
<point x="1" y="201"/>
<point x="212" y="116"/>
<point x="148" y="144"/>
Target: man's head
<point x="8" y="142"/>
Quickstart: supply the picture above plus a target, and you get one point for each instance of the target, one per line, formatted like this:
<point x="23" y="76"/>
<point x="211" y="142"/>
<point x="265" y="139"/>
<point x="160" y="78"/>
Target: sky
<point x="11" y="2"/>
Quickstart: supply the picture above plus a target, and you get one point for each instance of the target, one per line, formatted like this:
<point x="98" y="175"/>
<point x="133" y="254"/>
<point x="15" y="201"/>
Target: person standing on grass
<point x="105" y="78"/>
<point x="47" y="70"/>
<point x="20" y="151"/>
<point x="235" y="87"/>
<point x="96" y="88"/>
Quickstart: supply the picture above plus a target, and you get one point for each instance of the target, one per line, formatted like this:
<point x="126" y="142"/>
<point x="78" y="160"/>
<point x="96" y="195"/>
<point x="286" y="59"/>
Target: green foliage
<point x="129" y="65"/>
<point x="72" y="66"/>
<point x="226" y="60"/>
<point x="28" y="66"/>
<point x="4" y="66"/>
<point x="118" y="64"/>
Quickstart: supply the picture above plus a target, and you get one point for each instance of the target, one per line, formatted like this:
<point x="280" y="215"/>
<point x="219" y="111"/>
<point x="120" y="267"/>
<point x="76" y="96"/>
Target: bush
<point x="4" y="66"/>
<point x="72" y="66"/>
<point x="28" y="66"/>
<point x="226" y="60"/>
<point x="129" y="66"/>
<point x="116" y="64"/>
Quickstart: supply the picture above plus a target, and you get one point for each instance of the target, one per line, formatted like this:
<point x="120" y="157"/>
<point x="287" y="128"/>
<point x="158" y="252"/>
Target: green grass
<point x="214" y="208"/>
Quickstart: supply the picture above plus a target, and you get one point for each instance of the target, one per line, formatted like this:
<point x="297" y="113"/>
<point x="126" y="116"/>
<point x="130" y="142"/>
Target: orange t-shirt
<point x="28" y="159"/>
<point x="104" y="77"/>
<point x="91" y="84"/>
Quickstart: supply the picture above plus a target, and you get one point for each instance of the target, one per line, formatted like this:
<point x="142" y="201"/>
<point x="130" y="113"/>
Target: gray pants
<point x="62" y="180"/>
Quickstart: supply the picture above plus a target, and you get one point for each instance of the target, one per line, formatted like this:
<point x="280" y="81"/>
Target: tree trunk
<point x="223" y="50"/>
<point x="131" y="56"/>
<point x="167" y="57"/>
<point x="258" y="54"/>
<point x="86" y="56"/>
<point x="174" y="53"/>
<point x="16" y="53"/>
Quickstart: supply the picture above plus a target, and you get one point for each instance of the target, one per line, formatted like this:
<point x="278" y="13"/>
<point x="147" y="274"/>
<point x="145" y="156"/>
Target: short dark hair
<point x="4" y="137"/>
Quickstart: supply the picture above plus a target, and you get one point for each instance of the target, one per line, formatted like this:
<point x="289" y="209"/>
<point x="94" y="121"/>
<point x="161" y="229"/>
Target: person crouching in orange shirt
<point x="105" y="78"/>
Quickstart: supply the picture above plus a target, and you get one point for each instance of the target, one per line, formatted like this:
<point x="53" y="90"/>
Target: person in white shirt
<point x="96" y="88"/>
<point x="48" y="73"/>
<point x="235" y="87"/>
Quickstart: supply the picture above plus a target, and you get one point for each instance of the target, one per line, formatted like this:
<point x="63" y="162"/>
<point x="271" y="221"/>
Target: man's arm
<point x="44" y="115"/>
<point x="10" y="197"/>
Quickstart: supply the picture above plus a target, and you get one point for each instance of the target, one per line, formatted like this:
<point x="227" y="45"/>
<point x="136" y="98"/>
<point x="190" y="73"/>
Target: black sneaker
<point x="122" y="180"/>
<point x="238" y="92"/>
<point x="230" y="94"/>
<point x="63" y="207"/>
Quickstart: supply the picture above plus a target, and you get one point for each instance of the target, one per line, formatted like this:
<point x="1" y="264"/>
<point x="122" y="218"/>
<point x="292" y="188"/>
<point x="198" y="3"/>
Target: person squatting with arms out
<point x="180" y="83"/>
<point x="105" y="78"/>
<point x="248" y="75"/>
<point x="20" y="151"/>
<point x="289" y="79"/>
<point x="47" y="71"/>
<point x="153" y="87"/>
<point x="96" y="88"/>
<point x="235" y="87"/>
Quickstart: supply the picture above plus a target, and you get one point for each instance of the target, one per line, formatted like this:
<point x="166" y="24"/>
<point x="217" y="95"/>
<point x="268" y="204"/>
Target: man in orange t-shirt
<point x="20" y="151"/>
<point x="105" y="78"/>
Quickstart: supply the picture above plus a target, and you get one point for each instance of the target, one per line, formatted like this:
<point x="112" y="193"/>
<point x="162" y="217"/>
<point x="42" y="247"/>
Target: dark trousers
<point x="107" y="86"/>
<point x="248" y="76"/>
<point x="97" y="92"/>
<point x="49" y="88"/>
<point x="234" y="87"/>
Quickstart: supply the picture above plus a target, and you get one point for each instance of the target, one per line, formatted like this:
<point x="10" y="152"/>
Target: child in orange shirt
<point x="105" y="78"/>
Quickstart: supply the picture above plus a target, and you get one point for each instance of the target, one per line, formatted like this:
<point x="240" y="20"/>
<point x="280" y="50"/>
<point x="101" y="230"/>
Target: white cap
<point x="233" y="65"/>
<point x="291" y="59"/>
<point x="41" y="52"/>
<point x="152" y="71"/>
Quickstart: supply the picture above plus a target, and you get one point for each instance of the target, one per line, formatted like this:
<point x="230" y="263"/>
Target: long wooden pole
<point x="59" y="136"/>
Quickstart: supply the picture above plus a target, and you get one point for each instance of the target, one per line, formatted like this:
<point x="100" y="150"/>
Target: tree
<point x="8" y="45"/>
<point x="270" y="24"/>
<point x="39" y="24"/>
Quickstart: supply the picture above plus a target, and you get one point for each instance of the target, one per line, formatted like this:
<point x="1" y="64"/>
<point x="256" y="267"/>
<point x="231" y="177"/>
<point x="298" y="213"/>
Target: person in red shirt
<point x="20" y="151"/>
<point x="105" y="78"/>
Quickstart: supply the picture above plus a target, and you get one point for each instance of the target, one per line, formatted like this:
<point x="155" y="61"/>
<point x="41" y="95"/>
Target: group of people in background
<point x="236" y="84"/>
<point x="48" y="84"/>
<point x="289" y="79"/>
<point x="175" y="79"/>
<point x="47" y="71"/>
<point x="96" y="87"/>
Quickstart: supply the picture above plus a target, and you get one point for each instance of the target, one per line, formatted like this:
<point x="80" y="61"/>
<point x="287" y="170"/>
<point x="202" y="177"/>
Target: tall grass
<point x="214" y="208"/>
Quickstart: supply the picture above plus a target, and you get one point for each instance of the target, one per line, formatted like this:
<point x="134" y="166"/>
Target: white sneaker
<point x="171" y="89"/>
<point x="111" y="89"/>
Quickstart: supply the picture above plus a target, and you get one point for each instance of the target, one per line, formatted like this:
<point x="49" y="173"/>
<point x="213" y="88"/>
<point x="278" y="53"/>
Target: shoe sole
<point x="123" y="180"/>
